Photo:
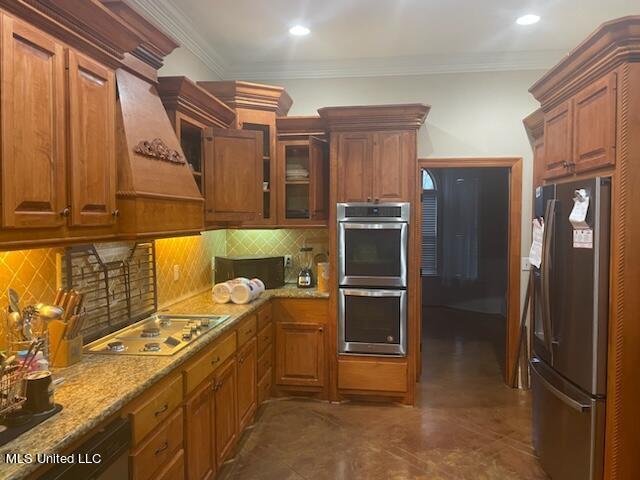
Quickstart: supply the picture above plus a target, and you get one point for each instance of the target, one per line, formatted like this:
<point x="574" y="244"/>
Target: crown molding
<point x="398" y="66"/>
<point x="175" y="22"/>
<point x="171" y="19"/>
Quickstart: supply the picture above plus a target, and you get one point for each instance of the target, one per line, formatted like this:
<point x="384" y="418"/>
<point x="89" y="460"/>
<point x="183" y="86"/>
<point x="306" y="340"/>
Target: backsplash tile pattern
<point x="193" y="256"/>
<point x="278" y="242"/>
<point x="32" y="273"/>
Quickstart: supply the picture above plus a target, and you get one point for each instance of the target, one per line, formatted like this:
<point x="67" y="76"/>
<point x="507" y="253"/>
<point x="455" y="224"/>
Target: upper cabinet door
<point x="319" y="173"/>
<point x="33" y="127"/>
<point x="92" y="166"/>
<point x="354" y="167"/>
<point x="233" y="175"/>
<point x="392" y="154"/>
<point x="594" y="128"/>
<point x="558" y="140"/>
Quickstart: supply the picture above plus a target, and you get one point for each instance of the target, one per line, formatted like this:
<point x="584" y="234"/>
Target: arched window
<point x="429" y="260"/>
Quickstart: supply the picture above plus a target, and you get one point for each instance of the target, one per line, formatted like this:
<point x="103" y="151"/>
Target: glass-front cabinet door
<point x="303" y="182"/>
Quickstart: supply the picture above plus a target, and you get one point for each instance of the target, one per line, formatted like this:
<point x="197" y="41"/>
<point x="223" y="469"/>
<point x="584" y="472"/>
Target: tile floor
<point x="466" y="424"/>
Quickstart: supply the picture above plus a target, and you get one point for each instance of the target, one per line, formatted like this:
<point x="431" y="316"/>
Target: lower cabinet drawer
<point x="265" y="362"/>
<point x="372" y="375"/>
<point x="200" y="369"/>
<point x="175" y="470"/>
<point x="156" y="409"/>
<point x="264" y="316"/>
<point x="265" y="338"/>
<point x="247" y="330"/>
<point x="158" y="449"/>
<point x="264" y="387"/>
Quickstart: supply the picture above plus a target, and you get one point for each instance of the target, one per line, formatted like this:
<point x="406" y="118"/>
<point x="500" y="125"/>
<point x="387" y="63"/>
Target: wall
<point x="182" y="62"/>
<point x="473" y="114"/>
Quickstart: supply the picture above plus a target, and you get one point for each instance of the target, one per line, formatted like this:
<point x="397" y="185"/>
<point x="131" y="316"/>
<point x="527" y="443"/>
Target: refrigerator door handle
<point x="545" y="273"/>
<point x="563" y="397"/>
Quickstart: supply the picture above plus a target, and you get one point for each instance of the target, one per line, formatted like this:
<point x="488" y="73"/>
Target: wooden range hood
<point x="156" y="194"/>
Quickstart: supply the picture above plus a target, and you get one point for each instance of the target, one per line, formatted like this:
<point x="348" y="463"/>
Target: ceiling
<point x="249" y="38"/>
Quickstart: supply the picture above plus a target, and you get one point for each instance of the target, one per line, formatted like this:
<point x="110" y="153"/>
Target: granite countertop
<point x="101" y="385"/>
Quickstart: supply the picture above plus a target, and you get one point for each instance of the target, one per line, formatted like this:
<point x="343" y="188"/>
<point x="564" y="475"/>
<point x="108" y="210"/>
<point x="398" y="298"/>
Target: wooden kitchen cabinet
<point x="92" y="156"/>
<point x="558" y="139"/>
<point x="375" y="167"/>
<point x="256" y="107"/>
<point x="303" y="172"/>
<point x="33" y="122"/>
<point x="199" y="435"/>
<point x="300" y="358"/>
<point x="192" y="110"/>
<point x="247" y="384"/>
<point x="594" y="125"/>
<point x="355" y="167"/>
<point x="233" y="179"/>
<point x="225" y="414"/>
<point x="392" y="160"/>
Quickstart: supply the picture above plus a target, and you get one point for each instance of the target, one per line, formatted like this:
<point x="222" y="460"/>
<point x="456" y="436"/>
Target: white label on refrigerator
<point x="583" y="238"/>
<point x="578" y="216"/>
<point x="535" y="254"/>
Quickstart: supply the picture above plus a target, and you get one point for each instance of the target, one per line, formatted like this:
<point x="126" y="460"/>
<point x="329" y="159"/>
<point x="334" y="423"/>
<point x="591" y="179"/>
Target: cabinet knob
<point x="66" y="212"/>
<point x="115" y="213"/>
<point x="368" y="199"/>
<point x="215" y="360"/>
<point x="320" y="329"/>
<point x="164" y="408"/>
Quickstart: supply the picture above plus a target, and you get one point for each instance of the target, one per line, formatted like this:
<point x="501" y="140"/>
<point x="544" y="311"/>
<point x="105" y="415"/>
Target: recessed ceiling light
<point x="299" y="30"/>
<point x="529" y="19"/>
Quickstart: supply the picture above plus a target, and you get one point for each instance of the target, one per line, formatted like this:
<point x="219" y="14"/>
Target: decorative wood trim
<point x="408" y="116"/>
<point x="514" y="164"/>
<point x="534" y="125"/>
<point x="612" y="44"/>
<point x="159" y="150"/>
<point x="239" y="94"/>
<point x="295" y="128"/>
<point x="183" y="95"/>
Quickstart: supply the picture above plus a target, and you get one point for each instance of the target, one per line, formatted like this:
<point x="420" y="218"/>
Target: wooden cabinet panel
<point x="558" y="140"/>
<point x="265" y="362"/>
<point x="247" y="330"/>
<point x="225" y="393"/>
<point x="354" y="167"/>
<point x="538" y="164"/>
<point x="233" y="175"/>
<point x="32" y="107"/>
<point x="265" y="338"/>
<point x="199" y="429"/>
<point x="175" y="469"/>
<point x="198" y="370"/>
<point x="594" y="125"/>
<point x="158" y="449"/>
<point x="300" y="354"/>
<point x="265" y="314"/>
<point x="155" y="408"/>
<point x="247" y="384"/>
<point x="372" y="375"/>
<point x="92" y="159"/>
<point x="319" y="174"/>
<point x="264" y="387"/>
<point x="392" y="154"/>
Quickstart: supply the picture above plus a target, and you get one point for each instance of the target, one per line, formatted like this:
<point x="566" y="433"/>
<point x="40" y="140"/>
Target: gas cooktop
<point x="157" y="335"/>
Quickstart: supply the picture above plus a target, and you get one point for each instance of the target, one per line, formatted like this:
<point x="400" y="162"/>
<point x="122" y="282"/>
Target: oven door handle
<point x="373" y="226"/>
<point x="355" y="292"/>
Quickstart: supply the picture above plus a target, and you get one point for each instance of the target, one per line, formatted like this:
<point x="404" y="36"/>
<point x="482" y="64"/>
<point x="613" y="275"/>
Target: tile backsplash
<point x="193" y="256"/>
<point x="278" y="242"/>
<point x="33" y="273"/>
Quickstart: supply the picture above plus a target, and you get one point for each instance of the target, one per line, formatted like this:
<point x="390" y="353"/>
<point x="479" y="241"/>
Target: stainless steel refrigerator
<point x="569" y="364"/>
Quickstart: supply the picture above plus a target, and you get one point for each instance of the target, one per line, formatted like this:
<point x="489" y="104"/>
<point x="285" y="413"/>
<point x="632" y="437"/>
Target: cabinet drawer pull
<point x="216" y="360"/>
<point x="162" y="448"/>
<point x="241" y="361"/>
<point x="248" y="332"/>
<point x="320" y="329"/>
<point x="115" y="213"/>
<point x="66" y="212"/>
<point x="164" y="408"/>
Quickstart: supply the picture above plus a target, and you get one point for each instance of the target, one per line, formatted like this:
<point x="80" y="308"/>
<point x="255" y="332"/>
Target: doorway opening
<point x="470" y="265"/>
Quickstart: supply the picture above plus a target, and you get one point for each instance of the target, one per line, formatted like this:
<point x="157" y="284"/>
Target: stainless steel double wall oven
<point x="372" y="276"/>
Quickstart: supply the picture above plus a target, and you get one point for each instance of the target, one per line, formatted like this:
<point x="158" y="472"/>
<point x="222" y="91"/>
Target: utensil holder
<point x="65" y="352"/>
